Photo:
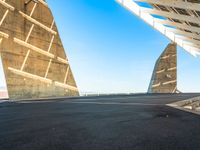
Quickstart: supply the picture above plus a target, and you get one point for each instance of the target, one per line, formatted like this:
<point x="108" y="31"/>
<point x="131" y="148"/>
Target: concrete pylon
<point x="164" y="78"/>
<point x="33" y="57"/>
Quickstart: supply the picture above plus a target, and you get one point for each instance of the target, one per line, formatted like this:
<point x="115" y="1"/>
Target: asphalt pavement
<point x="120" y="122"/>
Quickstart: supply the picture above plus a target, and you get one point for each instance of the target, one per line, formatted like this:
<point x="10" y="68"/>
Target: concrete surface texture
<point x="34" y="60"/>
<point x="164" y="78"/>
<point x="133" y="122"/>
<point x="191" y="105"/>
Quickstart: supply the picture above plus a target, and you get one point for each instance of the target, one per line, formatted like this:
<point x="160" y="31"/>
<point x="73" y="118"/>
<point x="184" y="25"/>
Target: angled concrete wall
<point x="164" y="78"/>
<point x="34" y="60"/>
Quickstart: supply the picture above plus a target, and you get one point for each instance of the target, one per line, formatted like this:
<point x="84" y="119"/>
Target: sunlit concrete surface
<point x="164" y="77"/>
<point x="191" y="105"/>
<point x="32" y="54"/>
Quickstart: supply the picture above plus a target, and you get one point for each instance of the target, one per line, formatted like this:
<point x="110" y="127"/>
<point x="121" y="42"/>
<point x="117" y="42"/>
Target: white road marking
<point x="113" y="98"/>
<point x="81" y="99"/>
<point x="96" y="100"/>
<point x="116" y="103"/>
<point x="2" y="101"/>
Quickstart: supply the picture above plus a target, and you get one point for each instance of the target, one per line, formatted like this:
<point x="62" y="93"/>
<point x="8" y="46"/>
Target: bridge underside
<point x="178" y="20"/>
<point x="33" y="57"/>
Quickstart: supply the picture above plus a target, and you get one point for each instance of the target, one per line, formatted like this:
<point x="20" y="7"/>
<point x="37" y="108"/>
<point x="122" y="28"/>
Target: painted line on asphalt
<point x="84" y="99"/>
<point x="115" y="98"/>
<point x="115" y="103"/>
<point x="103" y="99"/>
<point x="3" y="101"/>
<point x="66" y="99"/>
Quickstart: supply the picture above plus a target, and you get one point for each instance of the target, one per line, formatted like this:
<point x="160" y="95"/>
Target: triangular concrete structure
<point x="164" y="78"/>
<point x="33" y="56"/>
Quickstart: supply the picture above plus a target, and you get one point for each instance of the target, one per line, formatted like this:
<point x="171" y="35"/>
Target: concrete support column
<point x="33" y="57"/>
<point x="164" y="77"/>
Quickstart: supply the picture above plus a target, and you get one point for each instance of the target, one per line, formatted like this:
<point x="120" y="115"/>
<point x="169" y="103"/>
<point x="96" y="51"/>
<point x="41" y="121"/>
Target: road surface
<point x="132" y="122"/>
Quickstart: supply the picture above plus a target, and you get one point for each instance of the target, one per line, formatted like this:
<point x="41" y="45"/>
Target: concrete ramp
<point x="190" y="105"/>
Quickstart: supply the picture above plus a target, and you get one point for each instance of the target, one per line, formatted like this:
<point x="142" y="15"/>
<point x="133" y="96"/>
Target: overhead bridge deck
<point x="176" y="19"/>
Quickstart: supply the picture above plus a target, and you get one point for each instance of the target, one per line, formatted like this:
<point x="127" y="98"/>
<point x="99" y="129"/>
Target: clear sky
<point x="111" y="50"/>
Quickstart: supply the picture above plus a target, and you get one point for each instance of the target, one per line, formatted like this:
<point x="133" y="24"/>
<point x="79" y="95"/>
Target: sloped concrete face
<point x="164" y="78"/>
<point x="190" y="105"/>
<point x="33" y="57"/>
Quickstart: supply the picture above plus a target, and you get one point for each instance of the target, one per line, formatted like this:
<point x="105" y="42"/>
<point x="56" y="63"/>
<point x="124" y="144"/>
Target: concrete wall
<point x="34" y="60"/>
<point x="164" y="78"/>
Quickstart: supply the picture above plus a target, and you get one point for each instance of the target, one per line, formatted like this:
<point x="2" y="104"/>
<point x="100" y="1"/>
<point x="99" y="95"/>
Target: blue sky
<point x="111" y="50"/>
